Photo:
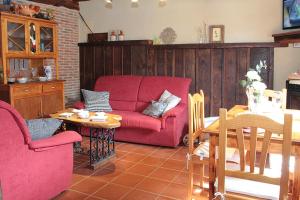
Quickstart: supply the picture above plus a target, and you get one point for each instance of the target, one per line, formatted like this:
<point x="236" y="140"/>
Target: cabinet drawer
<point x="50" y="87"/>
<point x="27" y="90"/>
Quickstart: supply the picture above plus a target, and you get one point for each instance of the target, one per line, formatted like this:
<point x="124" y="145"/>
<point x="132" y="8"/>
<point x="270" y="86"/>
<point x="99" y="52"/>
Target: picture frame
<point x="290" y="18"/>
<point x="216" y="33"/>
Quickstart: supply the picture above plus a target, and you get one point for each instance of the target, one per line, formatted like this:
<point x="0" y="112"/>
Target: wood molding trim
<point x="72" y="4"/>
<point x="284" y="39"/>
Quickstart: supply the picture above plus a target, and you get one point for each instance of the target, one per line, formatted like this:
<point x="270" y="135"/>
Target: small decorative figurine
<point x="113" y="36"/>
<point x="121" y="36"/>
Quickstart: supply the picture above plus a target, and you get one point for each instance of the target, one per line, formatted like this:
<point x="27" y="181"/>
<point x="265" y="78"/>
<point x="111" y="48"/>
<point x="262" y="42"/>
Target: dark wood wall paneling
<point x="214" y="68"/>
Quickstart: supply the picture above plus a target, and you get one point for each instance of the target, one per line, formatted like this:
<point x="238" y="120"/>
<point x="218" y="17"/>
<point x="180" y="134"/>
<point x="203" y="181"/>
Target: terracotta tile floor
<point x="137" y="172"/>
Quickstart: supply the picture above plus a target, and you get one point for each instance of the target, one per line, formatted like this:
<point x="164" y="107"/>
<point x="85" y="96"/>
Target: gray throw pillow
<point x="155" y="109"/>
<point x="96" y="101"/>
<point x="170" y="99"/>
<point x="42" y="128"/>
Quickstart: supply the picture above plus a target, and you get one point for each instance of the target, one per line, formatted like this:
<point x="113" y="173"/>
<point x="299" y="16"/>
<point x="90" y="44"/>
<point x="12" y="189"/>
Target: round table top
<point x="112" y="121"/>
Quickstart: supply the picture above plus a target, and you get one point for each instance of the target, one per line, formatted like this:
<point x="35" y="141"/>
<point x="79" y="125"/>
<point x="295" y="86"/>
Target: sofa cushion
<point x="140" y="106"/>
<point x="123" y="90"/>
<point x="96" y="101"/>
<point x="138" y="120"/>
<point x="123" y="105"/>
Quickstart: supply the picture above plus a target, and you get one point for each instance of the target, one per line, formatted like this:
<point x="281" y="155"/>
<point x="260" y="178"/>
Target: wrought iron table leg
<point x="101" y="141"/>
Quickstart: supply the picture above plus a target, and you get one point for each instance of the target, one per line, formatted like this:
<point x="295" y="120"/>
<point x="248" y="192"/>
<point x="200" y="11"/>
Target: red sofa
<point x="130" y="95"/>
<point x="30" y="170"/>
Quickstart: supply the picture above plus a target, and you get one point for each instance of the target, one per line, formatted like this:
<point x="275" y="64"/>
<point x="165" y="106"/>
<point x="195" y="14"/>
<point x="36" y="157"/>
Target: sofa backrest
<point x="133" y="93"/>
<point x="123" y="90"/>
<point x="152" y="87"/>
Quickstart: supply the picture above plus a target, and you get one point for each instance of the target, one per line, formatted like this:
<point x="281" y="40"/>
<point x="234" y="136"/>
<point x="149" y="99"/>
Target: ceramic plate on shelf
<point x="168" y="35"/>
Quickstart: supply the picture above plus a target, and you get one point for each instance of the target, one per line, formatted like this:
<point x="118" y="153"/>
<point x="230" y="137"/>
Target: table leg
<point x="102" y="146"/>
<point x="212" y="166"/>
<point x="296" y="182"/>
<point x="90" y="152"/>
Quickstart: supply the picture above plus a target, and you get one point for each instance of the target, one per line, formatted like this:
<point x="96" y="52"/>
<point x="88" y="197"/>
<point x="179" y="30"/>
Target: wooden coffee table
<point x="101" y="134"/>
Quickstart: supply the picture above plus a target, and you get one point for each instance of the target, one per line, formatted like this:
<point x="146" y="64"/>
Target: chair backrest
<point x="12" y="123"/>
<point x="251" y="123"/>
<point x="273" y="95"/>
<point x="196" y="117"/>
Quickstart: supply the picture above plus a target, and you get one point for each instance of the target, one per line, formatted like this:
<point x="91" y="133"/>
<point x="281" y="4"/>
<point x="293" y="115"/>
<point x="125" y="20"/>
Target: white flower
<point x="261" y="65"/>
<point x="253" y="76"/>
<point x="259" y="86"/>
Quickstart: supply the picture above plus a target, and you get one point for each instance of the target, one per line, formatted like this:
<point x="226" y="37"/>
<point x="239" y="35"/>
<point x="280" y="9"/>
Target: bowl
<point x="11" y="79"/>
<point x="22" y="80"/>
<point x="84" y="114"/>
<point x="42" y="78"/>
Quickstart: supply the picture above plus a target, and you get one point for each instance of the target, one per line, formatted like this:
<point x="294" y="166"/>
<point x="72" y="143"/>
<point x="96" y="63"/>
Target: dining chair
<point x="274" y="96"/>
<point x="253" y="181"/>
<point x="196" y="124"/>
<point x="198" y="144"/>
<point x="276" y="159"/>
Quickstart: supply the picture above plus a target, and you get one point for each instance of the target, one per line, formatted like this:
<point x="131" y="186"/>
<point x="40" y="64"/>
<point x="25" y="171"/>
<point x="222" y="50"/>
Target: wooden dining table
<point x="275" y="145"/>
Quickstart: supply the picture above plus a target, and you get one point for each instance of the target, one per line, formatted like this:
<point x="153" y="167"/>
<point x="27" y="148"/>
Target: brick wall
<point x="68" y="59"/>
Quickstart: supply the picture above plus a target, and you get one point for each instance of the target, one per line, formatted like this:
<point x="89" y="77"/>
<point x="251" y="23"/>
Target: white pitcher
<point x="48" y="72"/>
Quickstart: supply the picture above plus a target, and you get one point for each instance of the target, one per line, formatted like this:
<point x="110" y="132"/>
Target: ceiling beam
<point x="72" y="4"/>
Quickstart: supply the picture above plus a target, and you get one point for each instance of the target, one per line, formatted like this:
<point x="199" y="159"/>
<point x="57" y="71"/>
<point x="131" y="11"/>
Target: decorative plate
<point x="168" y="35"/>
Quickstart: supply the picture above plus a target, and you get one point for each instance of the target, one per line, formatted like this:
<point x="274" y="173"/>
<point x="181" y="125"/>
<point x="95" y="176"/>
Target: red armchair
<point x="33" y="169"/>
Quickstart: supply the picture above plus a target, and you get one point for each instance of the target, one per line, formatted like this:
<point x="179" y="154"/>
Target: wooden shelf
<point x="188" y="46"/>
<point x="219" y="45"/>
<point x="121" y="43"/>
<point x="284" y="39"/>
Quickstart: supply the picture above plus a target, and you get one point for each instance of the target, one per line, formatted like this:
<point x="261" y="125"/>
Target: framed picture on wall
<point x="216" y="33"/>
<point x="290" y="14"/>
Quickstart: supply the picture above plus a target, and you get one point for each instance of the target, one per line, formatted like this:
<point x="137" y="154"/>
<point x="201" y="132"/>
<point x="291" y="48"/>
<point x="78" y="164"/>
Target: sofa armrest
<point x="62" y="138"/>
<point x="79" y="105"/>
<point x="178" y="110"/>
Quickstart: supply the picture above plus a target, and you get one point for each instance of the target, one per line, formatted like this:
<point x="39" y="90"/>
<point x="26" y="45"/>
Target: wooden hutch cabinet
<point x="28" y="44"/>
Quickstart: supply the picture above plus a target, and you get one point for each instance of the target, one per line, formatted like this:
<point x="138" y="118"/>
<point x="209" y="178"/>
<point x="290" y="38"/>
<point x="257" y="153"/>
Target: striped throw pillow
<point x="96" y="101"/>
<point x="42" y="128"/>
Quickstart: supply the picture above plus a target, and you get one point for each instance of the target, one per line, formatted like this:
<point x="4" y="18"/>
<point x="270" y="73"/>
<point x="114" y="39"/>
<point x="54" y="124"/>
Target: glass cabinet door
<point x="16" y="37"/>
<point x="32" y="38"/>
<point x="46" y="39"/>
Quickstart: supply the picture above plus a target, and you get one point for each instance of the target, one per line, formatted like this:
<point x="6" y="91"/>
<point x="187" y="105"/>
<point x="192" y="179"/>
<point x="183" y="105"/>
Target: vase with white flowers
<point x="255" y="87"/>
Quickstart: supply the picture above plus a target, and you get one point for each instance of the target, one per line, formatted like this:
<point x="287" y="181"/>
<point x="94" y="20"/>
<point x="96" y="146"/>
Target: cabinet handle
<point x="53" y="87"/>
<point x="26" y="90"/>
